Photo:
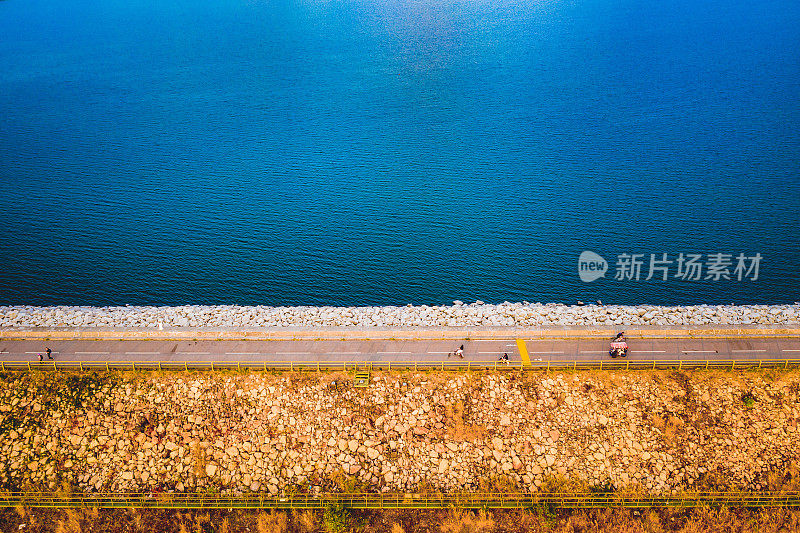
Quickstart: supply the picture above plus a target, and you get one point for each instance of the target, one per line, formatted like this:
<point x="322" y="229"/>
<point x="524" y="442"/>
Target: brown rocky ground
<point x="231" y="432"/>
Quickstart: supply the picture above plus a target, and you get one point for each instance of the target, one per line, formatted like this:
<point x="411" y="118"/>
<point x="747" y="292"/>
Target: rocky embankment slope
<point x="458" y="315"/>
<point x="407" y="431"/>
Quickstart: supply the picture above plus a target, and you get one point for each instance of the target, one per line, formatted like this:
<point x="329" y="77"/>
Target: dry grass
<point x="307" y="521"/>
<point x="272" y="522"/>
<point x="561" y="485"/>
<point x="457" y="427"/>
<point x="199" y="459"/>
<point x="670" y="426"/>
<point x="467" y="522"/>
<point x="71" y="523"/>
<point x="701" y="520"/>
<point x="786" y="479"/>
<point x="498" y="484"/>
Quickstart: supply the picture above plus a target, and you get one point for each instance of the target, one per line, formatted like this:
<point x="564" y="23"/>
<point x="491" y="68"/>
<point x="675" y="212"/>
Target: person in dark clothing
<point x="49" y="352"/>
<point x="459" y="352"/>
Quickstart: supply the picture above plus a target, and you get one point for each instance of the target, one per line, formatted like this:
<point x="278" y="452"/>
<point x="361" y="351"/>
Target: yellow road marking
<point x="523" y="352"/>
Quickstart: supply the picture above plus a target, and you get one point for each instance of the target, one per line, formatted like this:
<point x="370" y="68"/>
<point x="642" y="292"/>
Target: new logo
<point x="591" y="266"/>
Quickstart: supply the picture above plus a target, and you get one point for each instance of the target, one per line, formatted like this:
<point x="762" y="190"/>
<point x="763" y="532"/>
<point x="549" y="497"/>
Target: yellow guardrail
<point x="166" y="500"/>
<point x="459" y="365"/>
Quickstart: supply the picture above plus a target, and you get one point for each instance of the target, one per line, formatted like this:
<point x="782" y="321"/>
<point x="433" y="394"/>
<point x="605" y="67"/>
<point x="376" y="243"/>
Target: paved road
<point x="757" y="348"/>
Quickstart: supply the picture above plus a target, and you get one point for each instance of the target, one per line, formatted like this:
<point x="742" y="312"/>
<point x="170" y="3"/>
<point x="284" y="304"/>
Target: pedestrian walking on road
<point x="40" y="357"/>
<point x="49" y="352"/>
<point x="504" y="358"/>
<point x="459" y="352"/>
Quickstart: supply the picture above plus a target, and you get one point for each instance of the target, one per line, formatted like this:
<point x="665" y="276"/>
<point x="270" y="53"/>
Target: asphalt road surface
<point x="756" y="348"/>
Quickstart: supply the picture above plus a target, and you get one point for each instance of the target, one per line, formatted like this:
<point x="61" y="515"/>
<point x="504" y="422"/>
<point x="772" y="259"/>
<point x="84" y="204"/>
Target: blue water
<point x="393" y="152"/>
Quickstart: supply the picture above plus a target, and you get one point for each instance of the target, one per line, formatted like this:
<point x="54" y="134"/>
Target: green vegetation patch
<point x="749" y="399"/>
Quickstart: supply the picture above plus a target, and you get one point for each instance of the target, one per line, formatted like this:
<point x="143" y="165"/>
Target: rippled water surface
<point x="393" y="152"/>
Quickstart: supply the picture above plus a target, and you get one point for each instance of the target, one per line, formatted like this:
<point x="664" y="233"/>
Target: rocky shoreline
<point x="477" y="314"/>
<point x="238" y="432"/>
